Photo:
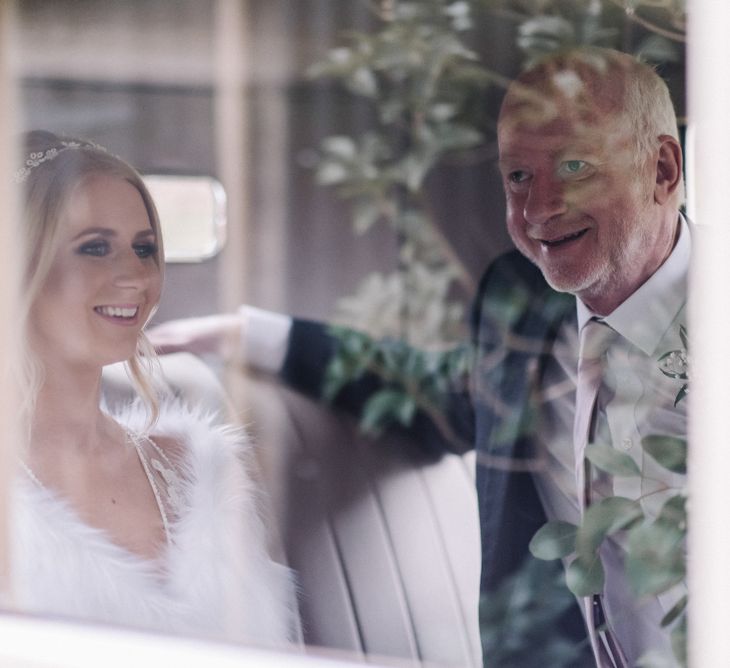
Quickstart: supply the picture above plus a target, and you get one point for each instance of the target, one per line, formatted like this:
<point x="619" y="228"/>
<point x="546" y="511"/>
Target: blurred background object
<point x="155" y="81"/>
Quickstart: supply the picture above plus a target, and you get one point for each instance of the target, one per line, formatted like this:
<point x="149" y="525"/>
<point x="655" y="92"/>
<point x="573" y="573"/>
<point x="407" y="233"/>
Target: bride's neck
<point x="67" y="411"/>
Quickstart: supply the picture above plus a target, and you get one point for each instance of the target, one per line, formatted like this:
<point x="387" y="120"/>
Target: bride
<point x="147" y="518"/>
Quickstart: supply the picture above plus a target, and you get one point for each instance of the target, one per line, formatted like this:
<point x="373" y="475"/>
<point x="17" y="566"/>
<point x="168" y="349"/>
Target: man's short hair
<point x="591" y="79"/>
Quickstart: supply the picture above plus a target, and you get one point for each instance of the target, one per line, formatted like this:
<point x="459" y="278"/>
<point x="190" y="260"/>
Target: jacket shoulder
<point x="513" y="294"/>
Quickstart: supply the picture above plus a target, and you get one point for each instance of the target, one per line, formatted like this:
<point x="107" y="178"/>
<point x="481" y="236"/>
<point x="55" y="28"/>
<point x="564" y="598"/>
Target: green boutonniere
<point x="675" y="364"/>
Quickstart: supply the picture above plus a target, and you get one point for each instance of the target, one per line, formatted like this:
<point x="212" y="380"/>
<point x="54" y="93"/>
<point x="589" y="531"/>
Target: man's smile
<point x="562" y="240"/>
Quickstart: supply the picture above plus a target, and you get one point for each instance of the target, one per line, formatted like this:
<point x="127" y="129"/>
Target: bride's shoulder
<point x="186" y="432"/>
<point x="190" y="453"/>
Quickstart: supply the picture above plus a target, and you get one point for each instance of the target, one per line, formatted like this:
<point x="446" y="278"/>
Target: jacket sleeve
<point x="311" y="348"/>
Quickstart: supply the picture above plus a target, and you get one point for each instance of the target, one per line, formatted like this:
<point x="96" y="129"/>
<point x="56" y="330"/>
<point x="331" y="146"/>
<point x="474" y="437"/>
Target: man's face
<point x="578" y="205"/>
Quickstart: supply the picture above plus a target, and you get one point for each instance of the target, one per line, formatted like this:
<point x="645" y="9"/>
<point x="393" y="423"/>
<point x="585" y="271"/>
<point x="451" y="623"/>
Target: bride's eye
<point x="97" y="248"/>
<point x="145" y="250"/>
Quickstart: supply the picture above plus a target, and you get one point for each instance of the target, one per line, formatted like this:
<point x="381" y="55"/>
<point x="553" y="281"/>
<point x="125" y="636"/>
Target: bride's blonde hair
<point x="53" y="167"/>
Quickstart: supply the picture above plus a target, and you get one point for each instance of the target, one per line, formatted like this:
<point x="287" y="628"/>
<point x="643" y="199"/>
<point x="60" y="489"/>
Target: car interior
<point x="215" y="104"/>
<point x="383" y="540"/>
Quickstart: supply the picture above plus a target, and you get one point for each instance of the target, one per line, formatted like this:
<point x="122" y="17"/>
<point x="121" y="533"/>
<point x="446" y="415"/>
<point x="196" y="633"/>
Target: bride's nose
<point x="132" y="271"/>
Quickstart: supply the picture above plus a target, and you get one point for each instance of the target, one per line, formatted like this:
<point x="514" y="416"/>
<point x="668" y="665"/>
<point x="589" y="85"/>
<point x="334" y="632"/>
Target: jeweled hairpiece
<point x="39" y="157"/>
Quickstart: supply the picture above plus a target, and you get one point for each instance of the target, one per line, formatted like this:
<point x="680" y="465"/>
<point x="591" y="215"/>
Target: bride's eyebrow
<point x="103" y="231"/>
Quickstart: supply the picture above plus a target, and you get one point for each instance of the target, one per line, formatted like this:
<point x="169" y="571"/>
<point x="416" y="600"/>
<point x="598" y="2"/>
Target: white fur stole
<point x="216" y="580"/>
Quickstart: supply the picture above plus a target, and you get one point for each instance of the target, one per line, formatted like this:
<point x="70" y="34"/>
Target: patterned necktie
<point x="595" y="339"/>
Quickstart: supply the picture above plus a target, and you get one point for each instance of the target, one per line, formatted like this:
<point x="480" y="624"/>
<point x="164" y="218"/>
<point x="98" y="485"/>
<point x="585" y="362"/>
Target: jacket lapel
<point x="515" y="325"/>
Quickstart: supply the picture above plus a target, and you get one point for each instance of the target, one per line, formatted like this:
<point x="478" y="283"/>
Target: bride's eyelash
<point x="144" y="250"/>
<point x="101" y="247"/>
<point x="96" y="247"/>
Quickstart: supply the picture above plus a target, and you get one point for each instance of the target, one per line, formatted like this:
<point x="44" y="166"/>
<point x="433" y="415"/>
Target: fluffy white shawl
<point x="218" y="580"/>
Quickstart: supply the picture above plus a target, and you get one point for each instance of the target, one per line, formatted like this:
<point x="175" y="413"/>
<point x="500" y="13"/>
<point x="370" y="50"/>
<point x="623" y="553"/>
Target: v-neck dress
<point x="212" y="579"/>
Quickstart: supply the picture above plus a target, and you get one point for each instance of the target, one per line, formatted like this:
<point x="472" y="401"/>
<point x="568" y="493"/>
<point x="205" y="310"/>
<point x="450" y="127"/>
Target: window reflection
<point x="143" y="79"/>
<point x="192" y="212"/>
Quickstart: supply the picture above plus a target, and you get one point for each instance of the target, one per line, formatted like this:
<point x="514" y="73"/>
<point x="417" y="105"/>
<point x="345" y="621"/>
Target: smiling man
<point x="591" y="170"/>
<point x="592" y="173"/>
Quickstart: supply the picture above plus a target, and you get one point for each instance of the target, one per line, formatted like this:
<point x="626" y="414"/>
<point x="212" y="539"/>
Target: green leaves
<point x="554" y="540"/>
<point x="611" y="461"/>
<point x="410" y="379"/>
<point x="668" y="451"/>
<point x="521" y="620"/>
<point x="655" y="548"/>
<point x="655" y="560"/>
<point x="545" y="33"/>
<point x="422" y="82"/>
<point x="353" y="165"/>
<point x="674" y="512"/>
<point x="585" y="575"/>
<point x="655" y="554"/>
<point x="354" y="354"/>
<point x="386" y="406"/>
<point x="557" y="539"/>
<point x="603" y="519"/>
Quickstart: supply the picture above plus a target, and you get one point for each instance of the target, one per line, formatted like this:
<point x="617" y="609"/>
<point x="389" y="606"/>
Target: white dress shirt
<point x="635" y="400"/>
<point x="264" y="337"/>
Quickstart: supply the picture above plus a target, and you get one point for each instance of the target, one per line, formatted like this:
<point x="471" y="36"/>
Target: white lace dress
<point x="214" y="579"/>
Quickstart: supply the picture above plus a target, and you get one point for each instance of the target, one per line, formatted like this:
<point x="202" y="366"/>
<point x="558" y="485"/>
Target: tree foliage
<point x="655" y="544"/>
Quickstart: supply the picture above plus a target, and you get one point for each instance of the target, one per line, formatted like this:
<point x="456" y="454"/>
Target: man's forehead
<point x="560" y="124"/>
<point x="585" y="90"/>
<point x="605" y="137"/>
<point x="552" y="112"/>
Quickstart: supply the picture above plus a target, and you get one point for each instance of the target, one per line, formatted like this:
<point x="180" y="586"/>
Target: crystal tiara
<point x="39" y="157"/>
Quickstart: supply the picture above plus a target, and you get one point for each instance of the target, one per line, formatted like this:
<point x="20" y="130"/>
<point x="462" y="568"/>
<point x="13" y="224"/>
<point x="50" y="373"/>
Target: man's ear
<point x="668" y="169"/>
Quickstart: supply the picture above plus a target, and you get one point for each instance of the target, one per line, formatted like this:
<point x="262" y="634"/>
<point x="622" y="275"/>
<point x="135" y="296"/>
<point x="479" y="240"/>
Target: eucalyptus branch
<point x="464" y="278"/>
<point x="505" y="82"/>
<point x="437" y="417"/>
<point x="632" y="15"/>
<point x="423" y="403"/>
<point x="663" y="488"/>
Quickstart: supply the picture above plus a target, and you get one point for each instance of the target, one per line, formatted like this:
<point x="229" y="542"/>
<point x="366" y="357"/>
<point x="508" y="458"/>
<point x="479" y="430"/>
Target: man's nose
<point x="545" y="199"/>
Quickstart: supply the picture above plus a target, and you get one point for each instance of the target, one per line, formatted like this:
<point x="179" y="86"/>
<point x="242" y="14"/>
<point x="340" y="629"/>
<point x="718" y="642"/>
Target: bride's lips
<point x="119" y="314"/>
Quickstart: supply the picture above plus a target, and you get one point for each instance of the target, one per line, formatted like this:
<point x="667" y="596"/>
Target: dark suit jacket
<point x="514" y="322"/>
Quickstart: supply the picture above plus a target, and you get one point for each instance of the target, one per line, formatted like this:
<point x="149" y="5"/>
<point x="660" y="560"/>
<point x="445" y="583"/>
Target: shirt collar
<point x="660" y="298"/>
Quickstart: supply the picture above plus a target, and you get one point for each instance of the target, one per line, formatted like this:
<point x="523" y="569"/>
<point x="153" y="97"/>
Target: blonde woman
<point x="147" y="518"/>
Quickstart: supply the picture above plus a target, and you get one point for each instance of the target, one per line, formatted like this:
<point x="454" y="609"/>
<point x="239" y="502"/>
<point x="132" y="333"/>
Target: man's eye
<point x="95" y="248"/>
<point x="518" y="176"/>
<point x="145" y="250"/>
<point x="573" y="167"/>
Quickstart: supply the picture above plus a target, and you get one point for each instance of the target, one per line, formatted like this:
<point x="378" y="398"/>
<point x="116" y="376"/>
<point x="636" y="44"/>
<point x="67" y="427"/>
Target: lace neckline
<point x="136" y="442"/>
<point x="154" y="464"/>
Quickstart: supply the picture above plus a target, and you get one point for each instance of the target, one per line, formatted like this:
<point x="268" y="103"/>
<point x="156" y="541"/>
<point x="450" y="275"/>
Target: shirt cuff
<point x="265" y="337"/>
